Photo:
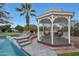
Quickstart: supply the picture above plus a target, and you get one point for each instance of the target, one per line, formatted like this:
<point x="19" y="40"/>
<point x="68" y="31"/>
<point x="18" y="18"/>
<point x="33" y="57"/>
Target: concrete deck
<point x="37" y="49"/>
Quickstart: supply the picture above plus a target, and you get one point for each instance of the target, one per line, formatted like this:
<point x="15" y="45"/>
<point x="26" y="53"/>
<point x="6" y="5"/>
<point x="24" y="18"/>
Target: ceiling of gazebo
<point x="57" y="20"/>
<point x="45" y="21"/>
<point x="61" y="20"/>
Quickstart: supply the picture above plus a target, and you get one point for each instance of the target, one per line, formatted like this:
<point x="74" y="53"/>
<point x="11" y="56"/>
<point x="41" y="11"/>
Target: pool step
<point x="23" y="40"/>
<point x="24" y="43"/>
<point x="20" y="38"/>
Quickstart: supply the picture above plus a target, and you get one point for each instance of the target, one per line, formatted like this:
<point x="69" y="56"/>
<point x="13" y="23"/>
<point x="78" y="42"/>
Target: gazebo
<point x="54" y="27"/>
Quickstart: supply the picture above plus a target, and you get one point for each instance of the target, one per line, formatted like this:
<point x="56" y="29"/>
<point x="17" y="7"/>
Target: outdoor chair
<point x="46" y="32"/>
<point x="58" y="33"/>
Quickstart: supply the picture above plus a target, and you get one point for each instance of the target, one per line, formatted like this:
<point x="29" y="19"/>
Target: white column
<point x="69" y="40"/>
<point x="52" y="40"/>
<point x="38" y="31"/>
<point x="52" y="33"/>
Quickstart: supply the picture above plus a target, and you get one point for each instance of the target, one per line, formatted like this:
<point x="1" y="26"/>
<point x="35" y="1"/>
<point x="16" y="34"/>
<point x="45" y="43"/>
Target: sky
<point x="40" y="8"/>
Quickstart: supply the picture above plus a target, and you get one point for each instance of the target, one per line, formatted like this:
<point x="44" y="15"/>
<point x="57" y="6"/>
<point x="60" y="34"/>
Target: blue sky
<point x="40" y="8"/>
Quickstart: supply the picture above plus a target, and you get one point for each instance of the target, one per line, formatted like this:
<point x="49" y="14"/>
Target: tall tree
<point x="27" y="11"/>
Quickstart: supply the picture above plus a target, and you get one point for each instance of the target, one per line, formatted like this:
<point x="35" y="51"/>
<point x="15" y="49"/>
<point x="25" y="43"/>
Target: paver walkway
<point x="37" y="49"/>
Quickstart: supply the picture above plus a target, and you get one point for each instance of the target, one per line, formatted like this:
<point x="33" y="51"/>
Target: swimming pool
<point x="7" y="48"/>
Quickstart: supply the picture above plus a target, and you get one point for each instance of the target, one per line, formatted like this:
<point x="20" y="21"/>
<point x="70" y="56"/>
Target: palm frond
<point x="22" y="14"/>
<point x="36" y="19"/>
<point x="3" y="15"/>
<point x="33" y="11"/>
<point x="25" y="6"/>
<point x="29" y="6"/>
<point x="1" y="5"/>
<point x="8" y="17"/>
<point x="18" y="9"/>
<point x="32" y="14"/>
<point x="6" y="12"/>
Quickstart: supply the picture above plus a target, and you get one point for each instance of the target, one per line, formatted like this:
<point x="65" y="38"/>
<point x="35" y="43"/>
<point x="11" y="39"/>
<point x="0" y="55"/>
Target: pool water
<point x="7" y="48"/>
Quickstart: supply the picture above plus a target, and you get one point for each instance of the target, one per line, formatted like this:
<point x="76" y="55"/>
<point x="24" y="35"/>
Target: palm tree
<point x="26" y="11"/>
<point x="3" y="13"/>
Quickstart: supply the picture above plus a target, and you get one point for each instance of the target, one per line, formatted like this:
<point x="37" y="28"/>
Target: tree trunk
<point x="27" y="22"/>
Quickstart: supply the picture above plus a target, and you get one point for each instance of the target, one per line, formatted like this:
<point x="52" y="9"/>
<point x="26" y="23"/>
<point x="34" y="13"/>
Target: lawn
<point x="70" y="54"/>
<point x="9" y="33"/>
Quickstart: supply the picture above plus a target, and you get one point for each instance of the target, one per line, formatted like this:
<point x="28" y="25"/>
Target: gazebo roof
<point x="50" y="12"/>
<point x="53" y="10"/>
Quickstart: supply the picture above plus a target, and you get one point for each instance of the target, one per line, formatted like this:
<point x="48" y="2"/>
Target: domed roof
<point x="53" y="10"/>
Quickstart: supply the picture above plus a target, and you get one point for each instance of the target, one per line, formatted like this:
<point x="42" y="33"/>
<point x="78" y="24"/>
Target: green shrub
<point x="76" y="32"/>
<point x="31" y="28"/>
<point x="5" y="28"/>
<point x="19" y="28"/>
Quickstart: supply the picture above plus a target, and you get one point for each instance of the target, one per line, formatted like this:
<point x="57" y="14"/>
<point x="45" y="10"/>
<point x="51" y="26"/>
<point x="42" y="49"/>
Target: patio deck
<point x="37" y="49"/>
<point x="60" y="41"/>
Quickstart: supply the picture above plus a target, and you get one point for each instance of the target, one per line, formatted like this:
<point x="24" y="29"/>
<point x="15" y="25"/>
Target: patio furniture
<point x="60" y="33"/>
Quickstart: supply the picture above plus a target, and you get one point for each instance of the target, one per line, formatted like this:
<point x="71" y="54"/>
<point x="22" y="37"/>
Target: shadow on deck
<point x="57" y="40"/>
